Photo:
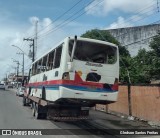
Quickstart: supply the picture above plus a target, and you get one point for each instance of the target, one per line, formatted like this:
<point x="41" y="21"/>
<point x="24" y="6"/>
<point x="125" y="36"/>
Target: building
<point x="135" y="38"/>
<point x="14" y="79"/>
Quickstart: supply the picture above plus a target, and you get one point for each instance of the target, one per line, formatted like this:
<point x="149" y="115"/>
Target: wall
<point x="145" y="102"/>
<point x="135" y="38"/>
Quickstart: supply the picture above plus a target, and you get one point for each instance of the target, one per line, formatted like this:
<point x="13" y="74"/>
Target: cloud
<point x="120" y="23"/>
<point x="106" y="7"/>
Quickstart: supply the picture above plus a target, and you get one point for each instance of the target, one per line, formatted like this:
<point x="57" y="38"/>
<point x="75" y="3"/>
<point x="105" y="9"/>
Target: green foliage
<point x="147" y="63"/>
<point x="105" y="36"/>
<point x="155" y="45"/>
<point x="154" y="71"/>
<point x="142" y="68"/>
<point x="124" y="53"/>
<point x="100" y="35"/>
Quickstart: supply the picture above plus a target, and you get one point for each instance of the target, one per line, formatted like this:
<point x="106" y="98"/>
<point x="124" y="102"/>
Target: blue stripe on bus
<point x="80" y="88"/>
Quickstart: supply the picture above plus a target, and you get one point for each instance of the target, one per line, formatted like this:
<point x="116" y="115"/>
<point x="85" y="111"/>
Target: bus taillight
<point x="115" y="85"/>
<point x="65" y="76"/>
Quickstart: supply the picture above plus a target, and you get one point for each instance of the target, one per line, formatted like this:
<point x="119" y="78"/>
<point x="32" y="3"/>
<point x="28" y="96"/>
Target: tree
<point x="140" y="67"/>
<point x="155" y="57"/>
<point x="147" y="63"/>
<point x="124" y="53"/>
<point x="155" y="45"/>
<point x="105" y="36"/>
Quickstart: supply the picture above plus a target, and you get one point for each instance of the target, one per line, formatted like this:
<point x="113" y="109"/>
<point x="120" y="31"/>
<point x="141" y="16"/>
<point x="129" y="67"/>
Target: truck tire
<point x="33" y="109"/>
<point x="37" y="114"/>
<point x="43" y="93"/>
<point x="24" y="101"/>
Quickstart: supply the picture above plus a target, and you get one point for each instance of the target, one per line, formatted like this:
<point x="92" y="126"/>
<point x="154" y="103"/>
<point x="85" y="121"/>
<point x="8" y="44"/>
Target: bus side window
<point x="44" y="60"/>
<point x="39" y="66"/>
<point x="50" y="60"/>
<point x="34" y="68"/>
<point x="58" y="57"/>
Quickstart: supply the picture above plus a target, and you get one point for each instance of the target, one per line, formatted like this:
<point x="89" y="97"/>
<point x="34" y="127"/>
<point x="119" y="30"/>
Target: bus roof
<point x="78" y="38"/>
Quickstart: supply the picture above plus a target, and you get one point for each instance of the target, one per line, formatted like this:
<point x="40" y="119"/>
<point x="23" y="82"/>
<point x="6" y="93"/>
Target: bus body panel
<point x="56" y="89"/>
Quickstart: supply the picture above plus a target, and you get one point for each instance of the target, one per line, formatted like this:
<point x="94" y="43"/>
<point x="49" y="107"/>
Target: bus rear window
<point x="94" y="52"/>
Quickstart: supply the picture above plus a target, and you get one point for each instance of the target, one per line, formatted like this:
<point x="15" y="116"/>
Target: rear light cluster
<point x="115" y="85"/>
<point x="66" y="76"/>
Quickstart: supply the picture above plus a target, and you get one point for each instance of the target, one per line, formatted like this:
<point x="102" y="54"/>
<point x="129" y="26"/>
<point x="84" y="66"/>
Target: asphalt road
<point x="14" y="116"/>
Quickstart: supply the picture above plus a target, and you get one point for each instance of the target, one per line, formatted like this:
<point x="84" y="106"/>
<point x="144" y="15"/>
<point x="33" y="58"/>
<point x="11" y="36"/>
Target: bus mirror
<point x="70" y="66"/>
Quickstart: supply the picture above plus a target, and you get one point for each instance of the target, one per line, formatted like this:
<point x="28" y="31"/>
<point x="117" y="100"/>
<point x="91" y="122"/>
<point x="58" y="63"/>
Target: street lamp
<point x="23" y="60"/>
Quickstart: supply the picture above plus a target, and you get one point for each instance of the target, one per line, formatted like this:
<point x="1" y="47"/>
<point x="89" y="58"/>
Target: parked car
<point x="2" y="86"/>
<point x="20" y="91"/>
<point x="10" y="86"/>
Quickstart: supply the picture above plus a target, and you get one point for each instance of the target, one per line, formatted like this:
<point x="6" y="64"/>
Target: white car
<point x="20" y="91"/>
<point x="2" y="86"/>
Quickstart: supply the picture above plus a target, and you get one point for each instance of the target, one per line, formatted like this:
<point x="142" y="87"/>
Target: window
<point x="39" y="66"/>
<point x="50" y="60"/>
<point x="44" y="63"/>
<point x="94" y="52"/>
<point x="34" y="67"/>
<point x="58" y="52"/>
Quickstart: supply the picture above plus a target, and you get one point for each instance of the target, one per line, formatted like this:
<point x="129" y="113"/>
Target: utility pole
<point x="36" y="38"/>
<point x="30" y="39"/>
<point x="17" y="70"/>
<point x="22" y="61"/>
<point x="129" y="94"/>
<point x="158" y="5"/>
<point x="22" y="66"/>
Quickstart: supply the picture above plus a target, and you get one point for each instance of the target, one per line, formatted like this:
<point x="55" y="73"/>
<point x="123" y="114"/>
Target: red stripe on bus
<point x="67" y="82"/>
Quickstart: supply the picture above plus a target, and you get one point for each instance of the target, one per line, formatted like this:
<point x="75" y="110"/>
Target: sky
<point x="57" y="19"/>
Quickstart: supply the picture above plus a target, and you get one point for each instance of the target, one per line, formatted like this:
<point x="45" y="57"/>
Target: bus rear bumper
<point x="88" y="95"/>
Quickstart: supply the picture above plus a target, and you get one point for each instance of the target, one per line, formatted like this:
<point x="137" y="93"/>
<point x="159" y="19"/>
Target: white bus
<point x="77" y="70"/>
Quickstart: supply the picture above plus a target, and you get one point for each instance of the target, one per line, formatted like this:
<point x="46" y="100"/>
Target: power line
<point x="68" y="21"/>
<point x="158" y="5"/>
<point x="65" y="22"/>
<point x="60" y="16"/>
<point x="120" y="35"/>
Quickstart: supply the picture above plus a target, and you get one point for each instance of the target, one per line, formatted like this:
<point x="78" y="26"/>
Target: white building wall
<point x="135" y="38"/>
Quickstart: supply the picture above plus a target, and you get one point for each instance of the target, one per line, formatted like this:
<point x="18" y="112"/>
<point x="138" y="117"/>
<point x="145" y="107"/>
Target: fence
<point x="145" y="102"/>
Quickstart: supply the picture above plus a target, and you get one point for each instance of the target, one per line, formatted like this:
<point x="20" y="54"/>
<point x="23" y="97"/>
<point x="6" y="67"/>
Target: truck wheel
<point x="44" y="116"/>
<point x="33" y="109"/>
<point x="31" y="105"/>
<point x="37" y="115"/>
<point x="24" y="101"/>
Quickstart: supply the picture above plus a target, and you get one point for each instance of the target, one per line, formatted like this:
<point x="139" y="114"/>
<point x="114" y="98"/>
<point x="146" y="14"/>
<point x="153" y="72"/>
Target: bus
<point x="78" y="72"/>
